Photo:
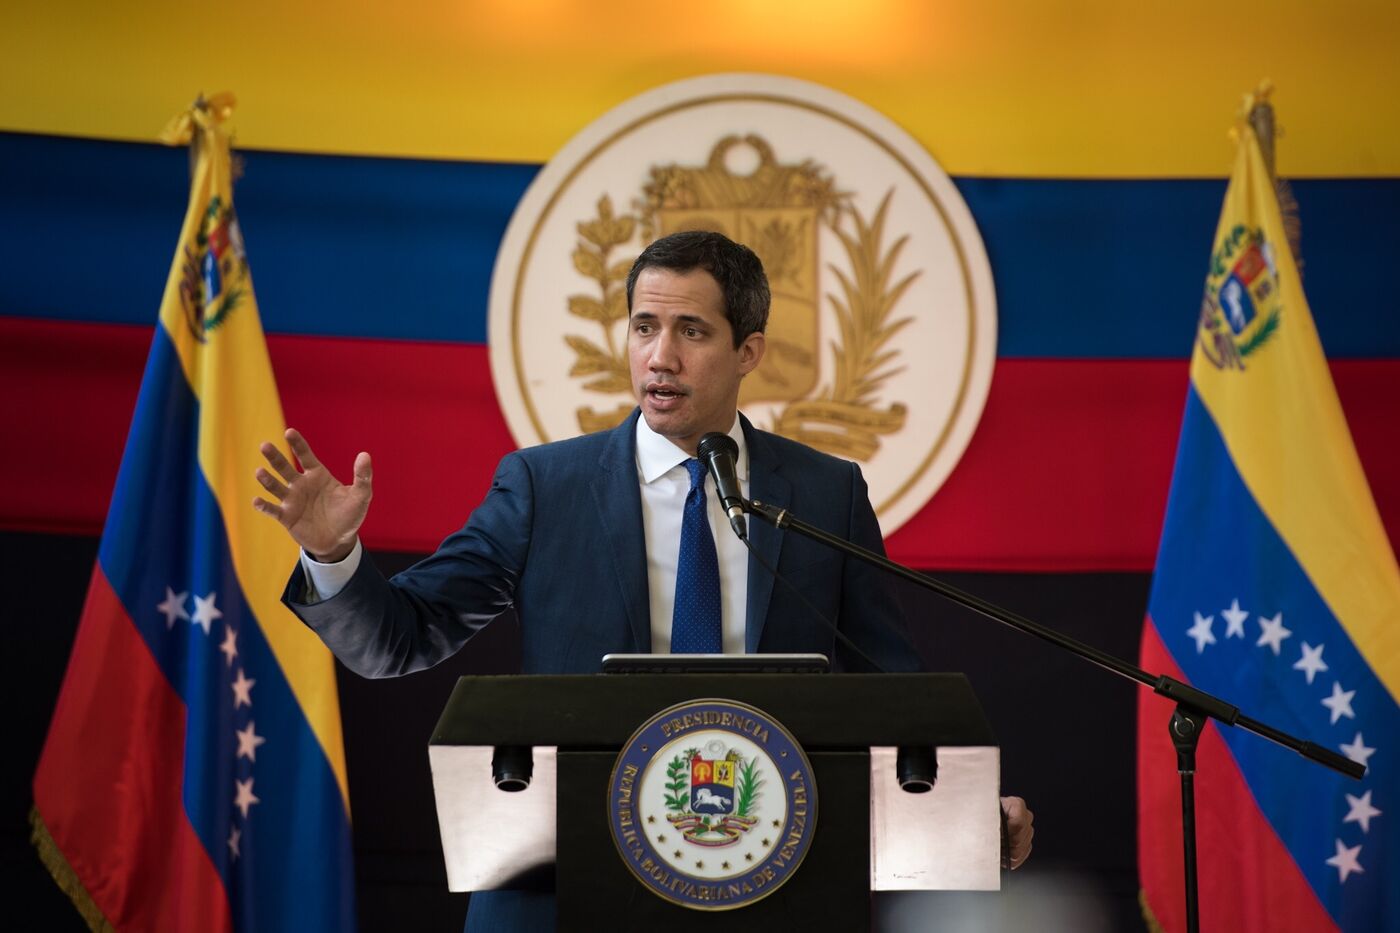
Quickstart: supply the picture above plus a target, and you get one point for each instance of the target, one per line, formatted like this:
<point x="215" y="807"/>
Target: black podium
<point x="869" y="835"/>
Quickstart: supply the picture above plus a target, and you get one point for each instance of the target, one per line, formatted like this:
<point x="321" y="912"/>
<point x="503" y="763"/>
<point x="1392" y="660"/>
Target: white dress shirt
<point x="665" y="483"/>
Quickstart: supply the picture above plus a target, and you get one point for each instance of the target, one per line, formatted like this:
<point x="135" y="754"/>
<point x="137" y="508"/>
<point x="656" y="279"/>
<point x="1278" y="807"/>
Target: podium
<point x="869" y="835"/>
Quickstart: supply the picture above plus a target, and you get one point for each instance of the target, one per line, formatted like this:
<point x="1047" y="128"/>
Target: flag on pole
<point x="1276" y="588"/>
<point x="193" y="776"/>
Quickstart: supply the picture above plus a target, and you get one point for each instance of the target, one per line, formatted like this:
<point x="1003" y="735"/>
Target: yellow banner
<point x="1003" y="88"/>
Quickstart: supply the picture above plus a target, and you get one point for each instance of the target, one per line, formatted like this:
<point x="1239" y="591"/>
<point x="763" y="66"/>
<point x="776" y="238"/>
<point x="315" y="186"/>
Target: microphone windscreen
<point x="716" y="443"/>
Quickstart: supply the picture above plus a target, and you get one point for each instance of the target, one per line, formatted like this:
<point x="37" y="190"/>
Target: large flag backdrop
<point x="1276" y="589"/>
<point x="193" y="776"/>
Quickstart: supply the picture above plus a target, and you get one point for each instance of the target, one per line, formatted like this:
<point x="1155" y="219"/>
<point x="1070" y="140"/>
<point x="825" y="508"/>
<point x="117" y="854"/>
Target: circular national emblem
<point x="1242" y="305"/>
<point x="882" y="333"/>
<point x="712" y="804"/>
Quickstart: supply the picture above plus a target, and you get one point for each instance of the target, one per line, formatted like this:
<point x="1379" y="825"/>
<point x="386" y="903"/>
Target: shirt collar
<point x="656" y="455"/>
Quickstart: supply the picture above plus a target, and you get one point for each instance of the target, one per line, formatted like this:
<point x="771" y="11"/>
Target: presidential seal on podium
<point x="712" y="804"/>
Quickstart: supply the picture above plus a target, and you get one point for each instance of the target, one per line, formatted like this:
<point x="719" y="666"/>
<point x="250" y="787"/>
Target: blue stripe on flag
<point x="164" y="529"/>
<point x="404" y="248"/>
<point x="1213" y="522"/>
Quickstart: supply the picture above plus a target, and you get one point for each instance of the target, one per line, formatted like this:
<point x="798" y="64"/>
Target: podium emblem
<point x="712" y="804"/>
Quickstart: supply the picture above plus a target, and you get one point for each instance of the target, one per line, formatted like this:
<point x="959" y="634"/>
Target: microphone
<point x="720" y="453"/>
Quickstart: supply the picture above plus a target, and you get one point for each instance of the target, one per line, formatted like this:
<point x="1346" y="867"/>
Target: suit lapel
<point x="766" y="484"/>
<point x="618" y="499"/>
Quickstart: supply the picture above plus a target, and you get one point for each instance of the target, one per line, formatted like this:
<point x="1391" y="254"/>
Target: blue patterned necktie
<point x="695" y="624"/>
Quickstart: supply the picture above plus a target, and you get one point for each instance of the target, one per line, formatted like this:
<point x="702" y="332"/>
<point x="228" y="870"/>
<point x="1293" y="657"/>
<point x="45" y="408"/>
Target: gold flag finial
<point x="1259" y="111"/>
<point x="205" y="112"/>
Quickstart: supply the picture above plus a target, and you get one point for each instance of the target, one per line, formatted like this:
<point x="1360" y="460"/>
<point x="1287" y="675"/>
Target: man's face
<point x="685" y="367"/>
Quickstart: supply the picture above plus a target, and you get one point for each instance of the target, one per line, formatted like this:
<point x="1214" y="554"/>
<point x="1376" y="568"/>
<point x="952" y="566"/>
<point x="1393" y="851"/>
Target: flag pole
<point x="1188" y="721"/>
<point x="1261" y="118"/>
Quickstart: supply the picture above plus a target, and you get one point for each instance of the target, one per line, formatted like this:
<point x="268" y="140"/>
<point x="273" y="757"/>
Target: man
<point x="612" y="542"/>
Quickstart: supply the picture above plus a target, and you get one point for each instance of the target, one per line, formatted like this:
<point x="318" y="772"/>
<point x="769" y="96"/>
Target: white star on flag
<point x="205" y="611"/>
<point x="1272" y="633"/>
<point x="1357" y="751"/>
<point x="1234" y="619"/>
<point x="1361" y="811"/>
<point x="245" y="797"/>
<point x="173" y="607"/>
<point x="234" y="835"/>
<point x="1201" y="632"/>
<point x="243" y="690"/>
<point x="230" y="645"/>
<point x="1345" y="861"/>
<point x="1311" y="662"/>
<point x="248" y="742"/>
<point x="1340" y="702"/>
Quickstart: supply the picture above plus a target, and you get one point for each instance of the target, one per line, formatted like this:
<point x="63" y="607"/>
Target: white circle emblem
<point x="712" y="804"/>
<point x="882" y="335"/>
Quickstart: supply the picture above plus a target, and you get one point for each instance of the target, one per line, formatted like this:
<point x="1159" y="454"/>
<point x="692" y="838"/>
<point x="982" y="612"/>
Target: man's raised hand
<point x="321" y="514"/>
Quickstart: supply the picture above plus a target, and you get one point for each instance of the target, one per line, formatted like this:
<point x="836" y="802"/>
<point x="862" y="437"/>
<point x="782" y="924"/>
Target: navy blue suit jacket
<point x="560" y="538"/>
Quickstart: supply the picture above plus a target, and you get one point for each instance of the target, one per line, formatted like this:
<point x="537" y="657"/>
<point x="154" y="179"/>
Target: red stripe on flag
<point x="1247" y="878"/>
<point x="426" y="412"/>
<point x="1068" y="470"/>
<point x="109" y="781"/>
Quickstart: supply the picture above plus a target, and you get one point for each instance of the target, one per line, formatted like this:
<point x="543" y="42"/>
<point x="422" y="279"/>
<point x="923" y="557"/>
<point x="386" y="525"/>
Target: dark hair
<point x="734" y="266"/>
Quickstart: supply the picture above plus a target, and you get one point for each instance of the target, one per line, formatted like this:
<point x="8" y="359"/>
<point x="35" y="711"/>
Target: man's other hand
<point x="321" y="514"/>
<point x="1019" y="830"/>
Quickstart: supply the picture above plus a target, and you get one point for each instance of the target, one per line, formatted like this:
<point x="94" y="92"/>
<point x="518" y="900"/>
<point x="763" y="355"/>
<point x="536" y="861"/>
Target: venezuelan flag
<point x="1276" y="588"/>
<point x="193" y="776"/>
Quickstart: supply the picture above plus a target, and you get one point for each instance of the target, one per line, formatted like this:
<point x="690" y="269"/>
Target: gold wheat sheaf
<point x="844" y="418"/>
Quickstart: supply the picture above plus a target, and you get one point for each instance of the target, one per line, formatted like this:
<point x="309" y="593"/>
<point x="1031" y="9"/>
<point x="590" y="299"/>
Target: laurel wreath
<point x="593" y="257"/>
<point x="232" y="296"/>
<point x="678" y="781"/>
<point x="1261" y="335"/>
<point x="749" y="784"/>
<point x="843" y="419"/>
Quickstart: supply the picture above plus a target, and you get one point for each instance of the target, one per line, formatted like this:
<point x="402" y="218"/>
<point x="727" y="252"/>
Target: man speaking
<point x="616" y="542"/>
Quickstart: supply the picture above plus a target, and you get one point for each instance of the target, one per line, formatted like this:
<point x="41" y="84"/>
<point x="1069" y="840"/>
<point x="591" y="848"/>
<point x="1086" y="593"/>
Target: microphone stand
<point x="1193" y="707"/>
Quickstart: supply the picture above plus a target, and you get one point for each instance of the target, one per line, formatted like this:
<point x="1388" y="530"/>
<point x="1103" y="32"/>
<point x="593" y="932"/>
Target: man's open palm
<point x="318" y="511"/>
